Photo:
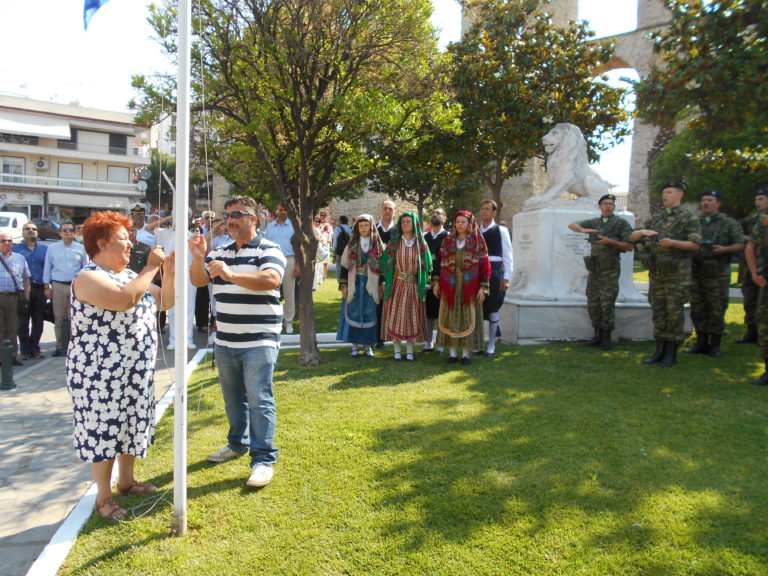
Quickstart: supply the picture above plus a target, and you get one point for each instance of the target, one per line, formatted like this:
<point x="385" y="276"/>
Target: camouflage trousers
<point x="750" y="291"/>
<point x="602" y="289"/>
<point x="667" y="294"/>
<point x="761" y="317"/>
<point x="709" y="297"/>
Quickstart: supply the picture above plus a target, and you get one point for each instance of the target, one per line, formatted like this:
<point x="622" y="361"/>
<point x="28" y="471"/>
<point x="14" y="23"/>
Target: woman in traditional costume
<point x="406" y="266"/>
<point x="462" y="285"/>
<point x="360" y="287"/>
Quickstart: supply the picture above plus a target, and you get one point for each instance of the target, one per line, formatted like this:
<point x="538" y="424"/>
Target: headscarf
<point x="476" y="266"/>
<point x="352" y="258"/>
<point x="389" y="259"/>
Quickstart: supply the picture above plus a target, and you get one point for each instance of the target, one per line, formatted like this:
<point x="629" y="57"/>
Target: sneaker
<point x="369" y="352"/>
<point x="171" y="346"/>
<point x="191" y="345"/>
<point x="288" y="327"/>
<point x="223" y="455"/>
<point x="261" y="475"/>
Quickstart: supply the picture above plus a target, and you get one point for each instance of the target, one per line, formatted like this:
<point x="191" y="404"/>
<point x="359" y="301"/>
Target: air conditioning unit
<point x="41" y="164"/>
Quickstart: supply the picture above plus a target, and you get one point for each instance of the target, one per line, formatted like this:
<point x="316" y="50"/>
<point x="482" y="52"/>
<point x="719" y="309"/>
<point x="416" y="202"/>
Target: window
<point x="70" y="144"/>
<point x="120" y="174"/>
<point x="71" y="172"/>
<point x="118" y="144"/>
<point x="11" y="165"/>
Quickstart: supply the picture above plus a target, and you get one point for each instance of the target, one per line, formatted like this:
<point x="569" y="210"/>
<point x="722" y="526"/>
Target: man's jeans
<point x="245" y="375"/>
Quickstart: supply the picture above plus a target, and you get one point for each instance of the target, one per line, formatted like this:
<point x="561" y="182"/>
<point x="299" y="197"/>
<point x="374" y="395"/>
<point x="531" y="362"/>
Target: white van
<point x="12" y="223"/>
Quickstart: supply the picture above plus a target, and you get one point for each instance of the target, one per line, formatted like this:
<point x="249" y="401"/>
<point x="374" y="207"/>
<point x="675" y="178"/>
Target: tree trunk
<point x="306" y="258"/>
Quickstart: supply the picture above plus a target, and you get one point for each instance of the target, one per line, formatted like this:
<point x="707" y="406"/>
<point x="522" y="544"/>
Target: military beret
<point x="606" y="197"/>
<point x="713" y="193"/>
<point x="761" y="192"/>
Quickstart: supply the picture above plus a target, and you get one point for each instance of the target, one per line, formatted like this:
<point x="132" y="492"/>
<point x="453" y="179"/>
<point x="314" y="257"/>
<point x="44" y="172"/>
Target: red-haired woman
<point x="111" y="356"/>
<point x="462" y="286"/>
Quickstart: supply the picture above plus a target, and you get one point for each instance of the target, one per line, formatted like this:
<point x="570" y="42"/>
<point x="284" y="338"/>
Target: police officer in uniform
<point x="609" y="237"/>
<point x="671" y="236"/>
<point x="711" y="274"/>
<point x="750" y="290"/>
<point x="499" y="245"/>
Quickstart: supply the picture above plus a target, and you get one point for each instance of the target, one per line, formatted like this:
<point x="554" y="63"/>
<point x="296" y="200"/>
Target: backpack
<point x="341" y="242"/>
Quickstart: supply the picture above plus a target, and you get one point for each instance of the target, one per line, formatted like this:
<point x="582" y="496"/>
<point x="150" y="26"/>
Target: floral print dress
<point x="110" y="375"/>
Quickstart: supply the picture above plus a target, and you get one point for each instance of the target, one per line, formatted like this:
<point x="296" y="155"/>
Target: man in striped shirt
<point x="246" y="275"/>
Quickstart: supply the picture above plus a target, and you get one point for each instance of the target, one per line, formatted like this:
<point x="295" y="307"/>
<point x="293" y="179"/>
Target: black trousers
<point x="31" y="325"/>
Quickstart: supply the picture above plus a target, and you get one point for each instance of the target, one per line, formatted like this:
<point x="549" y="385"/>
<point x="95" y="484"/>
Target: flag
<point x="90" y="9"/>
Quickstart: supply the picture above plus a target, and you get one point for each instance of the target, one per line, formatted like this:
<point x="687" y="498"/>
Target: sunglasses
<point x="30" y="229"/>
<point x="235" y="214"/>
<point x="67" y="229"/>
<point x="4" y="241"/>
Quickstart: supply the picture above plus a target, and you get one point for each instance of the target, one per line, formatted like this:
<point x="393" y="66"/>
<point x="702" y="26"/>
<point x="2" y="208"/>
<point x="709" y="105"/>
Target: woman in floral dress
<point x="406" y="266"/>
<point x="462" y="286"/>
<point x="111" y="356"/>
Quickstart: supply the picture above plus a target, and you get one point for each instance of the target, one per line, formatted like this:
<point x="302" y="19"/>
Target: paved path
<point x="41" y="478"/>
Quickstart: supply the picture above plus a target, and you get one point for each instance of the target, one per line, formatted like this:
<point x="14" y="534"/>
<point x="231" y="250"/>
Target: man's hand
<point x="219" y="269"/>
<point x="197" y="246"/>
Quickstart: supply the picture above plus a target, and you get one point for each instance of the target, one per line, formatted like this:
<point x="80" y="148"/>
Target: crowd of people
<point x="398" y="283"/>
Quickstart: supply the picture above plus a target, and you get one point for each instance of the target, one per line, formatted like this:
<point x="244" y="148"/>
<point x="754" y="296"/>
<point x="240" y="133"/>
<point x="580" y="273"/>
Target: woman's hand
<point x="155" y="257"/>
<point x="169" y="265"/>
<point x="480" y="296"/>
<point x="436" y="289"/>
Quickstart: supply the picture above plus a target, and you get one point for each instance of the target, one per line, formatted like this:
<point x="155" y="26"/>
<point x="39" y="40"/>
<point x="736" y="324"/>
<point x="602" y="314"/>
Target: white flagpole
<point x="180" y="203"/>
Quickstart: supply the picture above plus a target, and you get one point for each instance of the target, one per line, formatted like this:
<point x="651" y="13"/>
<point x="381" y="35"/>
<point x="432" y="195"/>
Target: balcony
<point x="137" y="155"/>
<point x="27" y="182"/>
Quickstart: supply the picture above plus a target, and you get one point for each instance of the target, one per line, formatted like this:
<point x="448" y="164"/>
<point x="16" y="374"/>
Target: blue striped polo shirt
<point x="248" y="318"/>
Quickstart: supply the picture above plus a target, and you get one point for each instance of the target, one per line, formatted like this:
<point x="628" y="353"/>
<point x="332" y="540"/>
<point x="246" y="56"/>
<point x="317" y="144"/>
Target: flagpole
<point x="180" y="203"/>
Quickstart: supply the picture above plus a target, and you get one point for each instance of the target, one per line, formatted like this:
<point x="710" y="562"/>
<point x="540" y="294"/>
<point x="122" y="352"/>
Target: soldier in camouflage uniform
<point x="609" y="237"/>
<point x="758" y="242"/>
<point x="750" y="290"/>
<point x="711" y="274"/>
<point x="671" y="236"/>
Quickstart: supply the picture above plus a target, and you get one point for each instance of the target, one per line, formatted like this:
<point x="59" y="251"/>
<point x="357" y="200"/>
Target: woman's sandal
<point x="109" y="509"/>
<point x="137" y="488"/>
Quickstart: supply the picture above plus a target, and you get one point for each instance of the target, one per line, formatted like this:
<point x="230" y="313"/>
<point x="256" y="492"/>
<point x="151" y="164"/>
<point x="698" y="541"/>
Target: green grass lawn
<point x="546" y="460"/>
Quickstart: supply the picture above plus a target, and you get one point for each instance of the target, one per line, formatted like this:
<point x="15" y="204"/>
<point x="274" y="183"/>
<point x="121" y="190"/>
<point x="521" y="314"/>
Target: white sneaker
<point x="288" y="327"/>
<point x="223" y="455"/>
<point x="171" y="346"/>
<point x="191" y="345"/>
<point x="261" y="475"/>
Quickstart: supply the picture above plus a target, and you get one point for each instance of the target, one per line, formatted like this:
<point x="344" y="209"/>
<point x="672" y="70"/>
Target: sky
<point x="46" y="54"/>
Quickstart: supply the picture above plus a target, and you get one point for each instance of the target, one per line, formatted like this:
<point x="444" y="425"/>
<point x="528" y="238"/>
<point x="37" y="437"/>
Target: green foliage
<point x="516" y="75"/>
<point x="685" y="157"/>
<point x="306" y="99"/>
<point x="714" y="79"/>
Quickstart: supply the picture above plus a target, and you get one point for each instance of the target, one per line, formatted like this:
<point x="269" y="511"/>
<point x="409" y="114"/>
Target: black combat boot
<point x="595" y="341"/>
<point x="670" y="355"/>
<point x="661" y="346"/>
<point x="750" y="337"/>
<point x="605" y="340"/>
<point x="763" y="380"/>
<point x="714" y="345"/>
<point x="702" y="344"/>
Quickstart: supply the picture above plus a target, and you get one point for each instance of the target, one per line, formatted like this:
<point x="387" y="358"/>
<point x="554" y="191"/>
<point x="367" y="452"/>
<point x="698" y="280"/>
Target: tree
<point x="713" y="79"/>
<point x="515" y="75"/>
<point x="306" y="99"/>
<point x="736" y="179"/>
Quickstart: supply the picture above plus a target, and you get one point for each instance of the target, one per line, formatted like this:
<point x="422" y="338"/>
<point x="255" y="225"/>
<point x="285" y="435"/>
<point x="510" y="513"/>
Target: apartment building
<point x="64" y="161"/>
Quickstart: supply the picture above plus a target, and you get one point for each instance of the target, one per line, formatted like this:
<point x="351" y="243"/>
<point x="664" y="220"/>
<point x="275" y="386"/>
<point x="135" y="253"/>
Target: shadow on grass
<point x="562" y="437"/>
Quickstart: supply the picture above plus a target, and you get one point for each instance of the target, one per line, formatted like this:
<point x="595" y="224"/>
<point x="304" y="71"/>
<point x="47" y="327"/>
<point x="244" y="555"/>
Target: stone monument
<point x="546" y="299"/>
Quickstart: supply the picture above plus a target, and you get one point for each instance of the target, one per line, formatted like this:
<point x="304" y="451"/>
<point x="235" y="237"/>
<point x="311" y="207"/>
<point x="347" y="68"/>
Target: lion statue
<point x="568" y="169"/>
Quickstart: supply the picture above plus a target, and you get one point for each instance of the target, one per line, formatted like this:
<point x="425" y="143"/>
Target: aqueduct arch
<point x="634" y="50"/>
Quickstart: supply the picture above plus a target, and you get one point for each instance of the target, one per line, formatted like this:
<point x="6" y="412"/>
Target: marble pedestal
<point x="547" y="299"/>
